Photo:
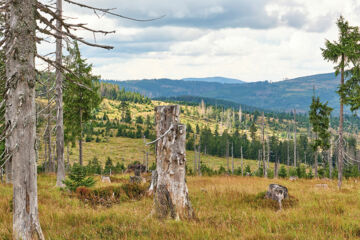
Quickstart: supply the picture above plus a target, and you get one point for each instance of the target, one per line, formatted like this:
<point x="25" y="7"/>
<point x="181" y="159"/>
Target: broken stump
<point x="278" y="193"/>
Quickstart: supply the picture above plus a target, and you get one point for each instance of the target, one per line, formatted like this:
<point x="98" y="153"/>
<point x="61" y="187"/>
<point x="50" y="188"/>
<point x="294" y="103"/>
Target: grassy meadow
<point x="226" y="208"/>
<point x="127" y="150"/>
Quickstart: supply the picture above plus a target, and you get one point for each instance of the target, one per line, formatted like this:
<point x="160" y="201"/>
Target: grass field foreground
<point x="226" y="208"/>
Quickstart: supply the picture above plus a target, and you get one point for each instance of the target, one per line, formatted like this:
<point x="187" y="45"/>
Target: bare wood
<point x="227" y="156"/>
<point x="171" y="196"/>
<point x="295" y="153"/>
<point x="60" y="175"/>
<point x="316" y="163"/>
<point x="20" y="116"/>
<point x="242" y="159"/>
<point x="263" y="145"/>
<point x="108" y="11"/>
<point x="232" y="158"/>
<point x="195" y="155"/>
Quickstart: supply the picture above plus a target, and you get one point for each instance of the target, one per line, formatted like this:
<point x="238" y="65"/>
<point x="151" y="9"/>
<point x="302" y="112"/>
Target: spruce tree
<point x="80" y="96"/>
<point x="78" y="178"/>
<point x="320" y="120"/>
<point x="342" y="53"/>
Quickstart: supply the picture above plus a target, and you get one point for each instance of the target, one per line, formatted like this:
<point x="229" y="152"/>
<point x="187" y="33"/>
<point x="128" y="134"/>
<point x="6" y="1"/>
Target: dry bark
<point x="242" y="161"/>
<point x="263" y="145"/>
<point x="295" y="138"/>
<point x="20" y="117"/>
<point x="60" y="175"/>
<point x="171" y="196"/>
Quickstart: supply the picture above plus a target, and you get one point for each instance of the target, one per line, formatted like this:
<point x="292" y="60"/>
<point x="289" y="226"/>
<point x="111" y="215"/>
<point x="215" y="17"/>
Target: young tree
<point x="320" y="119"/>
<point x="80" y="95"/>
<point x="342" y="53"/>
<point x="253" y="130"/>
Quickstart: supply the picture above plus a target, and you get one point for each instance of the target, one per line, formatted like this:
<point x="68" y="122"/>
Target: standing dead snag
<point x="20" y="116"/>
<point x="171" y="196"/>
<point x="60" y="176"/>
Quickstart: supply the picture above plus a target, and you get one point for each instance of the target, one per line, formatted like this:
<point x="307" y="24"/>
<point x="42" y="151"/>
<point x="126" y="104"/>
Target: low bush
<point x="107" y="196"/>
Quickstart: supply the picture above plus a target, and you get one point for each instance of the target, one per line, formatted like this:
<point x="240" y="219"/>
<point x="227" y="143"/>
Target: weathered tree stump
<point x="171" y="193"/>
<point x="277" y="192"/>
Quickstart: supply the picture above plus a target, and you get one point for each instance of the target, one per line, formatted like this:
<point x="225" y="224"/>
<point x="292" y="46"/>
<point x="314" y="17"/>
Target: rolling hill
<point x="279" y="96"/>
<point x="214" y="79"/>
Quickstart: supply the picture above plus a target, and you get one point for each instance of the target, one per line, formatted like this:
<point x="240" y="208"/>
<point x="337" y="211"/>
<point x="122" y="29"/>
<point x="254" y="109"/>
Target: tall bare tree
<point x="242" y="159"/>
<point x="232" y="158"/>
<point x="295" y="152"/>
<point x="227" y="156"/>
<point x="263" y="144"/>
<point x="20" y="45"/>
<point x="20" y="116"/>
<point x="60" y="176"/>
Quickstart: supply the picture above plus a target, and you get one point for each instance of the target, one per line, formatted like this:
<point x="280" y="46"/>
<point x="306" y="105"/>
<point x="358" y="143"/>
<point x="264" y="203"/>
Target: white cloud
<point x="246" y="39"/>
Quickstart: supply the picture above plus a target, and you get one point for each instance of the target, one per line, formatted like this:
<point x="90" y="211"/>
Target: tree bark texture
<point x="295" y="153"/>
<point x="60" y="175"/>
<point x="171" y="196"/>
<point x="20" y="117"/>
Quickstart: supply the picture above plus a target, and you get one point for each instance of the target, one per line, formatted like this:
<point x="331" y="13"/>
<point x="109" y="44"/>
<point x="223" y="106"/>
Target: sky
<point x="251" y="40"/>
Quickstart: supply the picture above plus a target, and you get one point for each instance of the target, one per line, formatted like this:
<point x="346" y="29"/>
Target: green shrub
<point x="134" y="191"/>
<point x="292" y="172"/>
<point x="247" y="170"/>
<point x="301" y="171"/>
<point x="222" y="170"/>
<point x="77" y="178"/>
<point x="282" y="172"/>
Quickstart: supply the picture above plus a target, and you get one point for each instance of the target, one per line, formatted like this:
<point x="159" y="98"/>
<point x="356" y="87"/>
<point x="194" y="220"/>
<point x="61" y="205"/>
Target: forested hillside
<point x="281" y="96"/>
<point x="216" y="128"/>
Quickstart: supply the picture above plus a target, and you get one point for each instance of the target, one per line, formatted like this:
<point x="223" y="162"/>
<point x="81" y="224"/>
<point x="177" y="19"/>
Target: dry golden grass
<point x="127" y="150"/>
<point x="226" y="207"/>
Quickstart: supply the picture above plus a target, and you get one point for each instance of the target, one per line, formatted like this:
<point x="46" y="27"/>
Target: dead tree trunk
<point x="288" y="151"/>
<point x="60" y="175"/>
<point x="268" y="152"/>
<point x="199" y="160"/>
<point x="195" y="155"/>
<point x="263" y="145"/>
<point x="330" y="160"/>
<point x="171" y="196"/>
<point x="20" y="117"/>
<point x="276" y="167"/>
<point x="295" y="138"/>
<point x="316" y="163"/>
<point x="49" y="164"/>
<point x="242" y="159"/>
<point x="232" y="158"/>
<point x="80" y="141"/>
<point x="227" y="156"/>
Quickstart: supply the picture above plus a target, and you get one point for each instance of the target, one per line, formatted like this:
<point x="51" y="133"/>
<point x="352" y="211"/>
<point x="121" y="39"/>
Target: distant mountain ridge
<point x="280" y="96"/>
<point x="214" y="79"/>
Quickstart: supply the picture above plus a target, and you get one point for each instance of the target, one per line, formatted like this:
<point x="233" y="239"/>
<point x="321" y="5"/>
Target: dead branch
<point x="108" y="11"/>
